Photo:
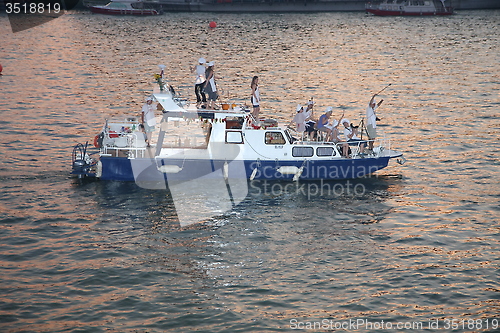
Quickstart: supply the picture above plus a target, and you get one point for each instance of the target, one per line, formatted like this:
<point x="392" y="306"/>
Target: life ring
<point x="96" y="142"/>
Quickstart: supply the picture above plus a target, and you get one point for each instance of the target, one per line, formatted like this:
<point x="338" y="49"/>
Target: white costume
<point x="300" y="119"/>
<point x="371" y="118"/>
<point x="149" y="116"/>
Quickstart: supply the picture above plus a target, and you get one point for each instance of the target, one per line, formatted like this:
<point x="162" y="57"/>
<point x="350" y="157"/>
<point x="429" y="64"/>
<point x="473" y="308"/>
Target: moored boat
<point x="124" y="7"/>
<point x="191" y="143"/>
<point x="409" y="8"/>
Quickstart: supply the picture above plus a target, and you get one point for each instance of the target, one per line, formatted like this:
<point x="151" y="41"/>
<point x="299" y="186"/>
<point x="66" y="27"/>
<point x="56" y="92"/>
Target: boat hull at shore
<point x="409" y="8"/>
<point x="379" y="12"/>
<point x="135" y="12"/>
<point x="304" y="6"/>
<point x="125" y="7"/>
<point x="268" y="6"/>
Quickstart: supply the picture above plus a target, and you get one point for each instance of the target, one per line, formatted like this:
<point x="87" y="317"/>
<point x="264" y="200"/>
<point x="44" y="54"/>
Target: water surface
<point x="419" y="243"/>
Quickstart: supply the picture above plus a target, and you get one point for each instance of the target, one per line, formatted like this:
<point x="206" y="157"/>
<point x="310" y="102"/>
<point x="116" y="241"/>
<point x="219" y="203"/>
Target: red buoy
<point x="1" y="68"/>
<point x="212" y="24"/>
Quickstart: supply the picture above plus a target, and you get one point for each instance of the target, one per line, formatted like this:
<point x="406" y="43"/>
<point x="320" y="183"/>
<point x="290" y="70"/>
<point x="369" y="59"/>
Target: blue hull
<point x="123" y="169"/>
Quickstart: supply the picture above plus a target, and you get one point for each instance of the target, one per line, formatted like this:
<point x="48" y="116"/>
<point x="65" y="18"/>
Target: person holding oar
<point x="371" y="118"/>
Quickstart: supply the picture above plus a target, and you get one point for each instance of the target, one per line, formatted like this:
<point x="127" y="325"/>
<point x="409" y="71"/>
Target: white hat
<point x="149" y="98"/>
<point x="299" y="107"/>
<point x="310" y="103"/>
<point x="210" y="64"/>
<point x="202" y="60"/>
<point x="345" y="120"/>
<point x="329" y="109"/>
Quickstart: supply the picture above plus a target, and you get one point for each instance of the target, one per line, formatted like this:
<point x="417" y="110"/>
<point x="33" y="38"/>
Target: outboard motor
<point x="81" y="162"/>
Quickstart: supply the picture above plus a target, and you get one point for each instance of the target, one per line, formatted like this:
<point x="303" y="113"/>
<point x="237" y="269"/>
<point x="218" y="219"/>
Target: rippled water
<point x="420" y="243"/>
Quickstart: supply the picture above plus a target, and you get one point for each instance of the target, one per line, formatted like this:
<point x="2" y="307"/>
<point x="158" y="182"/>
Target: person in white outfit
<point x="199" y="83"/>
<point x="301" y="117"/>
<point x="255" y="97"/>
<point x="350" y="132"/>
<point x="371" y="120"/>
<point x="148" y="118"/>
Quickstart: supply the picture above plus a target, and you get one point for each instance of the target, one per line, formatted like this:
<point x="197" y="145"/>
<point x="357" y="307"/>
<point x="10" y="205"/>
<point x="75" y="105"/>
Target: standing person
<point x="299" y="119"/>
<point x="255" y="97"/>
<point x="199" y="69"/>
<point x="371" y="120"/>
<point x="210" y="87"/>
<point x="148" y="118"/>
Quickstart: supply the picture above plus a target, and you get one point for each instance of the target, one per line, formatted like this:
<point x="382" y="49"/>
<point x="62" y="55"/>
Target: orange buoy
<point x="212" y="24"/>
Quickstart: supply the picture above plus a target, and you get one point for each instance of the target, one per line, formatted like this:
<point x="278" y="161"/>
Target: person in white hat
<point x="209" y="87"/>
<point x="350" y="132"/>
<point x="148" y="118"/>
<point x="300" y="118"/>
<point x="323" y="124"/>
<point x="199" y="83"/>
<point x="310" y="123"/>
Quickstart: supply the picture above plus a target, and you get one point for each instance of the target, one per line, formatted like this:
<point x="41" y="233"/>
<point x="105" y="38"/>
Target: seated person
<point x="310" y="123"/>
<point x="350" y="132"/>
<point x="302" y="116"/>
<point x="140" y="137"/>
<point x="323" y="124"/>
<point x="338" y="140"/>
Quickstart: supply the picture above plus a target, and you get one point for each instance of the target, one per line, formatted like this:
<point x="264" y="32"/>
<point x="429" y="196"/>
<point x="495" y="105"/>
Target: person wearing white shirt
<point x="199" y="83"/>
<point x="350" y="133"/>
<point x="148" y="118"/>
<point x="371" y="120"/>
<point x="301" y="117"/>
<point x="255" y="98"/>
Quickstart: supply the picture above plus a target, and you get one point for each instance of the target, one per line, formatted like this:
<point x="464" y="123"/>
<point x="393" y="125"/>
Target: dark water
<point x="417" y="244"/>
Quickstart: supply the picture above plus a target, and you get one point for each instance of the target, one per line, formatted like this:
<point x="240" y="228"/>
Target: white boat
<point x="124" y="7"/>
<point x="409" y="8"/>
<point x="190" y="143"/>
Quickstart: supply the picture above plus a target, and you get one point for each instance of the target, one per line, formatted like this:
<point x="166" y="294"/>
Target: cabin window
<point x="302" y="151"/>
<point x="274" y="138"/>
<point x="234" y="122"/>
<point x="234" y="137"/>
<point x="325" y="151"/>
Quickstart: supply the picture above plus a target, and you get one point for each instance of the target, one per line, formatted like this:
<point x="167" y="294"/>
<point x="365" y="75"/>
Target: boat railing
<point x="130" y="145"/>
<point x="380" y="144"/>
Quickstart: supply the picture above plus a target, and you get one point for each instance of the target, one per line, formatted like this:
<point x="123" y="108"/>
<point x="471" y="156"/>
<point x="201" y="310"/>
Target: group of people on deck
<point x="329" y="129"/>
<point x="205" y="84"/>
